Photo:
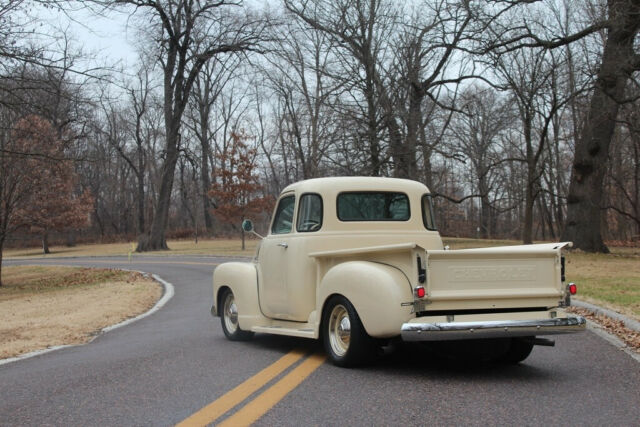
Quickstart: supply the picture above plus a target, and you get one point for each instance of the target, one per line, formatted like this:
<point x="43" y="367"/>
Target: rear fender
<point x="378" y="292"/>
<point x="242" y="279"/>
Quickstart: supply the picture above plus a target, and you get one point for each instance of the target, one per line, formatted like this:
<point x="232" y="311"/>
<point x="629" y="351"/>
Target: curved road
<point x="168" y="366"/>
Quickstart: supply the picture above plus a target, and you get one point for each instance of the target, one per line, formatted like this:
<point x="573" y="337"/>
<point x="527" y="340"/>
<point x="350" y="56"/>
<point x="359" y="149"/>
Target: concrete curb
<point x="628" y="322"/>
<point x="606" y="335"/>
<point x="169" y="292"/>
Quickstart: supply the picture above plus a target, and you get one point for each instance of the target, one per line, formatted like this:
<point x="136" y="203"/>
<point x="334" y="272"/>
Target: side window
<point x="283" y="219"/>
<point x="427" y="212"/>
<point x="309" y="213"/>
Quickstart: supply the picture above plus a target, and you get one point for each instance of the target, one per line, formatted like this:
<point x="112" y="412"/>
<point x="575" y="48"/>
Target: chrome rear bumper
<point x="491" y="329"/>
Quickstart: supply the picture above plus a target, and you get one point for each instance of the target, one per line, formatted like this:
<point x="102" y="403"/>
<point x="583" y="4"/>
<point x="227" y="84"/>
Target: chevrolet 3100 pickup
<point x="357" y="261"/>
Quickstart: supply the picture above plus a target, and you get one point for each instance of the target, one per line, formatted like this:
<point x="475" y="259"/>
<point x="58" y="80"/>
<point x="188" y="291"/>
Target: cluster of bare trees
<point x="521" y="116"/>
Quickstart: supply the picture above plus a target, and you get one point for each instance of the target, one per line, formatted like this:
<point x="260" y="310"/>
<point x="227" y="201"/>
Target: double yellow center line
<point x="266" y="400"/>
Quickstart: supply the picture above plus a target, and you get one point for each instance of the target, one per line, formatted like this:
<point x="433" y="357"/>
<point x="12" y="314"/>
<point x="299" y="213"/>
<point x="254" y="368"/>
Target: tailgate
<point x="526" y="276"/>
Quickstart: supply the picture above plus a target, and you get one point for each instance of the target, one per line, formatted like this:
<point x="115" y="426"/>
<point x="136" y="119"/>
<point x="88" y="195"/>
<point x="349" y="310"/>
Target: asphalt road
<point x="166" y="367"/>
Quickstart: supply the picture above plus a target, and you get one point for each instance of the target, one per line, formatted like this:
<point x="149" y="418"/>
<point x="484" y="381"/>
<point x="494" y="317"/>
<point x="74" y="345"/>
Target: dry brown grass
<point x="218" y="247"/>
<point x="41" y="307"/>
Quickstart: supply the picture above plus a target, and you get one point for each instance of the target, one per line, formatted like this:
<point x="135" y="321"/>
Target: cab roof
<point x="335" y="185"/>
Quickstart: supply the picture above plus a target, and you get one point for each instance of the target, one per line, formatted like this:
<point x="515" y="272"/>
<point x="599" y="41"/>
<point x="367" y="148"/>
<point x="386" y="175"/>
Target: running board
<point x="305" y="331"/>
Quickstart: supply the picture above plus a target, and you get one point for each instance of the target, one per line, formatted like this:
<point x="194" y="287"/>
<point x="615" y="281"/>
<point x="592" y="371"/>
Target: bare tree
<point x="476" y="133"/>
<point x="208" y="86"/>
<point x="623" y="177"/>
<point x="189" y="34"/>
<point x="619" y="60"/>
<point x="428" y="62"/>
<point x="124" y="125"/>
<point x="298" y="72"/>
<point x="362" y="28"/>
<point x="530" y="76"/>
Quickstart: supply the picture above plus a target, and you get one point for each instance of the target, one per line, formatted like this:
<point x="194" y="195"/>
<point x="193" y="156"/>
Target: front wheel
<point x="229" y="319"/>
<point x="345" y="340"/>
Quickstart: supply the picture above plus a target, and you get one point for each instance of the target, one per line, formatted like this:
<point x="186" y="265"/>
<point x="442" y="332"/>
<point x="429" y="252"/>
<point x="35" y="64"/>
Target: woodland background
<point x="522" y="117"/>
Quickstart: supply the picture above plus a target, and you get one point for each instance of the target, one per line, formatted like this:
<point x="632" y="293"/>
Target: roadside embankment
<point x="42" y="307"/>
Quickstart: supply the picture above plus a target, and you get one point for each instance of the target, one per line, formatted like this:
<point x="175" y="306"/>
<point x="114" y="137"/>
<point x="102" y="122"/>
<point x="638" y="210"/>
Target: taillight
<point x="573" y="288"/>
<point x="420" y="292"/>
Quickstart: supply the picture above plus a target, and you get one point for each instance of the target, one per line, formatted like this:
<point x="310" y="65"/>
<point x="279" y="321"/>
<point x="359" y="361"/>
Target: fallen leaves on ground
<point x="630" y="337"/>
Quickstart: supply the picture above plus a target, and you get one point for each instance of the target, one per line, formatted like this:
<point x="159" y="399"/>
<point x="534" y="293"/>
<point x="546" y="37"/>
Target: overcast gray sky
<point x="112" y="37"/>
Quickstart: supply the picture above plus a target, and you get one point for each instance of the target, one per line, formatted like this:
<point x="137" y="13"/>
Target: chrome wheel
<point x="229" y="318"/>
<point x="344" y="337"/>
<point x="230" y="314"/>
<point x="339" y="330"/>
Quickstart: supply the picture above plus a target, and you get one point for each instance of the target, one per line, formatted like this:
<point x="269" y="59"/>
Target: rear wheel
<point x="519" y="349"/>
<point x="229" y="318"/>
<point x="345" y="340"/>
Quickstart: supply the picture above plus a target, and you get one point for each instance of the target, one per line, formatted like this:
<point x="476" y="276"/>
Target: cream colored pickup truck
<point x="357" y="261"/>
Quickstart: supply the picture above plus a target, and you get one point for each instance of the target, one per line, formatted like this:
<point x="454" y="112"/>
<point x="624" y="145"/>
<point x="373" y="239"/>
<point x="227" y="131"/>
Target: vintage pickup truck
<point x="357" y="261"/>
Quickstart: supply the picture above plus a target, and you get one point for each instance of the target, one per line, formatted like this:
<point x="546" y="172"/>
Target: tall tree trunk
<point x="426" y="159"/>
<point x="400" y="167"/>
<point x="205" y="179"/>
<point x="156" y="238"/>
<point x="586" y="190"/>
<point x="408" y="161"/>
<point x="1" y="248"/>
<point x="372" y="134"/>
<point x="527" y="226"/>
<point x="485" y="217"/>
<point x="140" y="177"/>
<point x="45" y="242"/>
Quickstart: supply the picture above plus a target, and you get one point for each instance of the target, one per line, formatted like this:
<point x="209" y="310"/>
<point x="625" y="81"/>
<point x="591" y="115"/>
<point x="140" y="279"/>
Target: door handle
<point x="283" y="244"/>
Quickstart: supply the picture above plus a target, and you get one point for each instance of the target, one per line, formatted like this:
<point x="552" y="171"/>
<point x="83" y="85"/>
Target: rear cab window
<point x="373" y="206"/>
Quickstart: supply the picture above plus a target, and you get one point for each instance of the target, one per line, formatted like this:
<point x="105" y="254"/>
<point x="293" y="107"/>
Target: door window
<point x="309" y="213"/>
<point x="283" y="219"/>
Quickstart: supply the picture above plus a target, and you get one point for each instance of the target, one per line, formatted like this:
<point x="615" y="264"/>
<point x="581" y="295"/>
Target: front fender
<point x="377" y="292"/>
<point x="242" y="279"/>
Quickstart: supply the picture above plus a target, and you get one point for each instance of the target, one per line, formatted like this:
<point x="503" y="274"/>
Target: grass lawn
<point x="48" y="306"/>
<point x="221" y="247"/>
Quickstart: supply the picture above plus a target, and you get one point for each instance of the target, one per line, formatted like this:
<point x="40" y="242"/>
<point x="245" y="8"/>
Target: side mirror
<point x="247" y="225"/>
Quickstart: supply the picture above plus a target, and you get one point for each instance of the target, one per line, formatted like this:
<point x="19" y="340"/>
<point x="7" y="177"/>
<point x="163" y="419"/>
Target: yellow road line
<point x="218" y="407"/>
<point x="267" y="399"/>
